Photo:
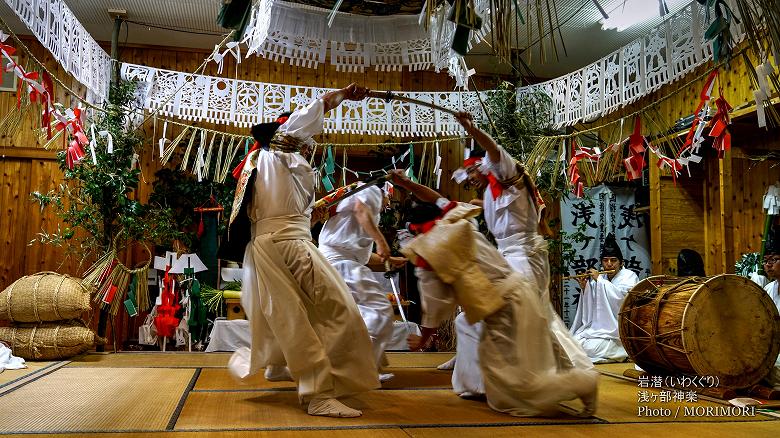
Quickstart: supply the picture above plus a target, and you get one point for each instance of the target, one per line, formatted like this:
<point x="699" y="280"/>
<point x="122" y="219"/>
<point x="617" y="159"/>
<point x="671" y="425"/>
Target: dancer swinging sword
<point x="305" y="325"/>
<point x="524" y="373"/>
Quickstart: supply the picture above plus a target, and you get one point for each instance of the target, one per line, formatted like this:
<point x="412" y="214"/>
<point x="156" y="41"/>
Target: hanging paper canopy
<point x="362" y="7"/>
<point x="302" y="36"/>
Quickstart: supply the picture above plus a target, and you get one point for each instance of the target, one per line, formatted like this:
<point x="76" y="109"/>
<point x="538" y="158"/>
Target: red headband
<point x="282" y="119"/>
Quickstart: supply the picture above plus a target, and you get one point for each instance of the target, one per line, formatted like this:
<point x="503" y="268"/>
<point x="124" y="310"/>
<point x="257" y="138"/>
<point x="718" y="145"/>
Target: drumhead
<point x="732" y="331"/>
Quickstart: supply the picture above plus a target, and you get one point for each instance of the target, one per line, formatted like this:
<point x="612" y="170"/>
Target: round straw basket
<point x="48" y="341"/>
<point x="46" y="296"/>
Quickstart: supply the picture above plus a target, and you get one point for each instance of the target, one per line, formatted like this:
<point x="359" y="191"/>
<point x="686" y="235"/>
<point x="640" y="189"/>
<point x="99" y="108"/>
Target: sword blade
<point x="400" y="307"/>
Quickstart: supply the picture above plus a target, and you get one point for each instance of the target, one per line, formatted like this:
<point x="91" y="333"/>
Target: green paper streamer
<point x="410" y="169"/>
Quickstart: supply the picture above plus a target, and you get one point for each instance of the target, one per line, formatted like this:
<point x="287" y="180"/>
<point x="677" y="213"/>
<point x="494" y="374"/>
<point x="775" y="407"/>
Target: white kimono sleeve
<point x="372" y="198"/>
<point x="504" y="169"/>
<point x="436" y="298"/>
<point x="306" y="122"/>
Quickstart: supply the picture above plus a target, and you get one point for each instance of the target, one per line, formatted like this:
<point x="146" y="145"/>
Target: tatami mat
<point x="652" y="430"/>
<point x="324" y="433"/>
<point x="422" y="378"/>
<point x="32" y="367"/>
<point x="152" y="360"/>
<point x="615" y="368"/>
<point x="280" y="409"/>
<point x="758" y="429"/>
<point x="75" y="399"/>
<point x="619" y="403"/>
<point x="413" y="360"/>
<point x="220" y="360"/>
<point x="219" y="379"/>
<point x="129" y="393"/>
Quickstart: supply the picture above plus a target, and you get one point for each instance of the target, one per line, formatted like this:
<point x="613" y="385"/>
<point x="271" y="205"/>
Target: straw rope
<point x="109" y="272"/>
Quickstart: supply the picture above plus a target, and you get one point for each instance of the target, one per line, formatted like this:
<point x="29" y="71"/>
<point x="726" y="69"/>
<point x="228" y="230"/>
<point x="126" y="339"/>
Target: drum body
<point x="724" y="326"/>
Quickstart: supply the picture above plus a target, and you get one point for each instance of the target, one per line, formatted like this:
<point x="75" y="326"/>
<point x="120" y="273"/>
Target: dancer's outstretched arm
<point x="423" y="193"/>
<point x="481" y="137"/>
<point x="352" y="91"/>
<point x="366" y="220"/>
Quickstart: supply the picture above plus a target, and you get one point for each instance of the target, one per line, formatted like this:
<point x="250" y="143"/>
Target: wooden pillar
<point x="656" y="231"/>
<point x="452" y="158"/>
<point x="726" y="214"/>
<point x="115" y="49"/>
<point x="711" y="249"/>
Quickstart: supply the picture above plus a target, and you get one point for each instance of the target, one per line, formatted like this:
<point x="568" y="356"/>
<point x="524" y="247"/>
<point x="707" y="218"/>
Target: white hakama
<point x="773" y="379"/>
<point x="513" y="219"/>
<point x="300" y="311"/>
<point x="518" y="359"/>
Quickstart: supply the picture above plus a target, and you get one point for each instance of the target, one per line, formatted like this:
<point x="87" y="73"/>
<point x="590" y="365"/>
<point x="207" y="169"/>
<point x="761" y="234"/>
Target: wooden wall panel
<point x="14" y="186"/>
<point x="682" y="209"/>
<point x="718" y="212"/>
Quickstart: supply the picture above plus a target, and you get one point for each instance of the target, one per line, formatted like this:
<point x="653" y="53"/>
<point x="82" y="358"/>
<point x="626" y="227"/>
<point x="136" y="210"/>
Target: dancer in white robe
<point x="522" y="370"/>
<point x="304" y="323"/>
<point x="513" y="214"/>
<point x="346" y="240"/>
<point x="595" y="323"/>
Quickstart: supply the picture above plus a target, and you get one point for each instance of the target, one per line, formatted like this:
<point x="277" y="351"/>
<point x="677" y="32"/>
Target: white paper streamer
<point x="162" y="140"/>
<point x="110" y="141"/>
<point x="92" y="144"/>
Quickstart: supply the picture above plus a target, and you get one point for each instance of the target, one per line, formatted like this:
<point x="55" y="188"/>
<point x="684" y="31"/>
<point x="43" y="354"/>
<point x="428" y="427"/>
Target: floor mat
<point x="77" y="399"/>
<point x="219" y="379"/>
<point x="412" y="360"/>
<point x="280" y="409"/>
<point x="152" y="360"/>
<point x="614" y="368"/>
<point x="619" y="402"/>
<point x="324" y="433"/>
<point x="8" y="376"/>
<point x="220" y="360"/>
<point x="642" y="430"/>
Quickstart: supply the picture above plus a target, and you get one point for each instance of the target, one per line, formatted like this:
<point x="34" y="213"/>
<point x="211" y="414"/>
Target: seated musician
<point x="772" y="268"/>
<point x="595" y="324"/>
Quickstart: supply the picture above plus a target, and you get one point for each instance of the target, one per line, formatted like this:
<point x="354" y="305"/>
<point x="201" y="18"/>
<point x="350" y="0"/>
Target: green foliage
<point x="516" y="125"/>
<point x="748" y="264"/>
<point x="98" y="198"/>
<point x="181" y="193"/>
<point x="232" y="285"/>
<point x="551" y="182"/>
<point x="516" y="122"/>
<point x="563" y="245"/>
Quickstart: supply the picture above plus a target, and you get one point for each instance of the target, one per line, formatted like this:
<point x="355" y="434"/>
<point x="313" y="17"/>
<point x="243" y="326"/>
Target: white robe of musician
<point x="773" y="290"/>
<point x="518" y="361"/>
<point x="595" y="323"/>
<point x="300" y="311"/>
<point x="513" y="219"/>
<point x="347" y="246"/>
